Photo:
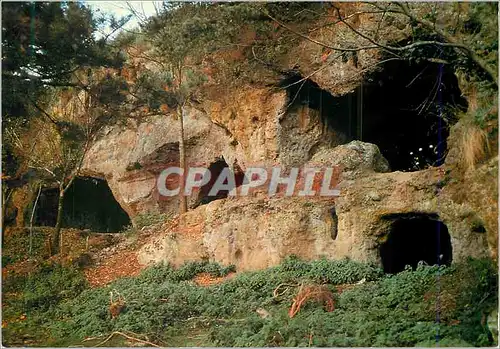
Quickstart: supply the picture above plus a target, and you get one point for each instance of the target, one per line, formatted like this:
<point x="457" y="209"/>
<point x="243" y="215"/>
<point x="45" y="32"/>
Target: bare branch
<point x="334" y="48"/>
<point x="46" y="170"/>
<point x="386" y="48"/>
<point x="43" y="112"/>
<point x="349" y="16"/>
<point x="313" y="73"/>
<point x="451" y="41"/>
<point x="391" y="49"/>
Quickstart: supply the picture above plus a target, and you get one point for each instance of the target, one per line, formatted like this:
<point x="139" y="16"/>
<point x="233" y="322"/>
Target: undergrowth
<point x="412" y="308"/>
<point x="150" y="218"/>
<point x="17" y="247"/>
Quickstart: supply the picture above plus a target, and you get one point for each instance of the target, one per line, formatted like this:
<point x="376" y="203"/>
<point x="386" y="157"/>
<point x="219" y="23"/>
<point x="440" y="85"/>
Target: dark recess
<point x="335" y="223"/>
<point x="413" y="238"/>
<point x="405" y="108"/>
<point x="88" y="204"/>
<point x="215" y="169"/>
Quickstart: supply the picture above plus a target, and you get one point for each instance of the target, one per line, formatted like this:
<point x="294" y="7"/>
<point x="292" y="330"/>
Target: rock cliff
<point x="252" y="124"/>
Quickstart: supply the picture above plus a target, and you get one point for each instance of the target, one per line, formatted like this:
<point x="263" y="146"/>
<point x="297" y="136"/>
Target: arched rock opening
<point x="405" y="108"/>
<point x="88" y="204"/>
<point x="412" y="238"/>
<point x="408" y="110"/>
<point x="215" y="169"/>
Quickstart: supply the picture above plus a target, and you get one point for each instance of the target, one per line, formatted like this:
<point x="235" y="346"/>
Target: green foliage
<point x="50" y="285"/>
<point x="192" y="32"/>
<point x="130" y="231"/>
<point x="29" y="300"/>
<point x="474" y="25"/>
<point x="111" y="91"/>
<point x="487" y="106"/>
<point x="43" y="43"/>
<point x="150" y="218"/>
<point x="482" y="29"/>
<point x="134" y="166"/>
<point x="383" y="310"/>
<point x="16" y="247"/>
<point x="393" y="311"/>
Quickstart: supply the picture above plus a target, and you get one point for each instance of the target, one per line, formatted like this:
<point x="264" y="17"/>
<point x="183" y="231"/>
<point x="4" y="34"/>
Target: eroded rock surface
<point x="263" y="126"/>
<point x="258" y="232"/>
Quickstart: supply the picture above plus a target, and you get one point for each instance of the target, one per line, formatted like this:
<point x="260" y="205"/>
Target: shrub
<point x="384" y="310"/>
<point x="51" y="284"/>
<point x="150" y="218"/>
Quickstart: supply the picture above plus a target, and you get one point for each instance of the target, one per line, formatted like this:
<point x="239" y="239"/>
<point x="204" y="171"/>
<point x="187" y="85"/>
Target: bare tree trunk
<point x="182" y="162"/>
<point x="5" y="200"/>
<point x="4" y="203"/>
<point x="4" y="210"/>
<point x="30" y="250"/>
<point x="56" y="236"/>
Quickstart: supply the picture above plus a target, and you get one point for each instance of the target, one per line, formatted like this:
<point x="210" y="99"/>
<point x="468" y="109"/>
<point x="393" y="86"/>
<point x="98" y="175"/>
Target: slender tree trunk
<point x="4" y="202"/>
<point x="56" y="237"/>
<point x="5" y="199"/>
<point x="182" y="162"/>
<point x="32" y="219"/>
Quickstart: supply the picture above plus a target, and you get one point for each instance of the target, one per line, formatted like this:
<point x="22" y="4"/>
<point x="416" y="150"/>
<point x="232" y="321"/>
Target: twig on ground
<point x="276" y="294"/>
<point x="128" y="337"/>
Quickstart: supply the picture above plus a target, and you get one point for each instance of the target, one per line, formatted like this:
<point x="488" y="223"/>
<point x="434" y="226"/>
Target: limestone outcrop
<point x="249" y="125"/>
<point x="258" y="232"/>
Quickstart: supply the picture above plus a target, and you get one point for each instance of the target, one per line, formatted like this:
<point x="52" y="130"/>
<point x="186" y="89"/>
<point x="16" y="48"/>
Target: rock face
<point x="255" y="125"/>
<point x="356" y="159"/>
<point x="258" y="232"/>
<point x="249" y="232"/>
<point x="257" y="130"/>
<point x="250" y="116"/>
<point x="131" y="158"/>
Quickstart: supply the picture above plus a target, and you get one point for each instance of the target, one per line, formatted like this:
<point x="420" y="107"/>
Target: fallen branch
<point x="318" y="293"/>
<point x="90" y="338"/>
<point x="276" y="294"/>
<point x="128" y="337"/>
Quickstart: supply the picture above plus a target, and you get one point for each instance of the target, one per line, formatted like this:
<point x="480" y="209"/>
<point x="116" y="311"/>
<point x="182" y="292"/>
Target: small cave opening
<point x="46" y="209"/>
<point x="405" y="108"/>
<point x="88" y="204"/>
<point x="413" y="238"/>
<point x="335" y="223"/>
<point x="215" y="169"/>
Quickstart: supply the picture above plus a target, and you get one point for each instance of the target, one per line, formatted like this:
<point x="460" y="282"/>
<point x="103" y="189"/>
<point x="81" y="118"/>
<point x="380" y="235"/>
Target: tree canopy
<point x="43" y="44"/>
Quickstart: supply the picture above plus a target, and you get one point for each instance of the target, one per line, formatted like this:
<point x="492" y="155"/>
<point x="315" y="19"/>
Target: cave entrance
<point x="88" y="204"/>
<point x="415" y="237"/>
<point x="215" y="170"/>
<point x="337" y="113"/>
<point x="405" y="108"/>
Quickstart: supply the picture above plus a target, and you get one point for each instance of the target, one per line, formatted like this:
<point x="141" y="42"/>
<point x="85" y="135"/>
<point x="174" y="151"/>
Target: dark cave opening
<point x="413" y="238"/>
<point x="405" y="108"/>
<point x="215" y="169"/>
<point x="408" y="110"/>
<point x="337" y="113"/>
<point x="88" y="204"/>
